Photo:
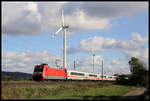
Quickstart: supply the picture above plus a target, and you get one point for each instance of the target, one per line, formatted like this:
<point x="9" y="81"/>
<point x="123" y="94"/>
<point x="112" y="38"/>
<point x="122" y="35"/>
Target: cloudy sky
<point x="113" y="31"/>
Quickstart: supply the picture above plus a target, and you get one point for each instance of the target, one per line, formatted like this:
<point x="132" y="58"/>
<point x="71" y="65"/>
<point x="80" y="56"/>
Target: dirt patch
<point x="135" y="94"/>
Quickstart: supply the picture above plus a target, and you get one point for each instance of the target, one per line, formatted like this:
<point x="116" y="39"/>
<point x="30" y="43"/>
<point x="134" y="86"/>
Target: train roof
<point x="88" y="72"/>
<point x="81" y="71"/>
<point x="76" y="71"/>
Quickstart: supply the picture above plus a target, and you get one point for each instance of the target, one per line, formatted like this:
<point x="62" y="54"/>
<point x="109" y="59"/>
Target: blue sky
<point x="112" y="37"/>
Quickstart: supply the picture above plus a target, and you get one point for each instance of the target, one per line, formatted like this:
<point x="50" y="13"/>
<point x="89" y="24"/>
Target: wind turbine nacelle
<point x="65" y="26"/>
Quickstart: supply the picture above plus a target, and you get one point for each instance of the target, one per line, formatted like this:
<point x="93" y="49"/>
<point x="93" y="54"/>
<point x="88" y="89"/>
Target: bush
<point x="141" y="80"/>
<point x="123" y="79"/>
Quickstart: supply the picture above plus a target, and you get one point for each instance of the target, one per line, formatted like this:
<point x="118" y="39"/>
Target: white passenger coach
<point x="77" y="75"/>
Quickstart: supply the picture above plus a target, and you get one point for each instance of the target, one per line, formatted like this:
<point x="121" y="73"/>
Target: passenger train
<point x="44" y="72"/>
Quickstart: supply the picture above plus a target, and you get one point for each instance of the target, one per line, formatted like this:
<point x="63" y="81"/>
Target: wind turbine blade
<point x="62" y="17"/>
<point x="56" y="32"/>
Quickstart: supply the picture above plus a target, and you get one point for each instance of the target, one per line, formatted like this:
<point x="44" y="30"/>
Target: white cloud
<point x="32" y="6"/>
<point x="118" y="66"/>
<point x="81" y="21"/>
<point x="89" y="61"/>
<point x="20" y="18"/>
<point x="9" y="55"/>
<point x="29" y="17"/>
<point x="95" y="44"/>
<point x="111" y="69"/>
<point x="25" y="61"/>
<point x="86" y="64"/>
<point x="116" y="62"/>
<point x="33" y="14"/>
<point x="40" y="17"/>
<point x="134" y="47"/>
<point x="142" y="54"/>
<point x="99" y="43"/>
<point x="138" y="38"/>
<point x="112" y="9"/>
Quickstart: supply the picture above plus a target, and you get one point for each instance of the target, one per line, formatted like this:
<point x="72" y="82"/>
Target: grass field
<point x="73" y="90"/>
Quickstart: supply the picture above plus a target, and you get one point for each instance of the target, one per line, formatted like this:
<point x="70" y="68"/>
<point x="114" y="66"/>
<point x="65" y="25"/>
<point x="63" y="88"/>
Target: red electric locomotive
<point x="44" y="72"/>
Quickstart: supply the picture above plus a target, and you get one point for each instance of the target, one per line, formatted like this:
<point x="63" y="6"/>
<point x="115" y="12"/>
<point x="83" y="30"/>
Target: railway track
<point x="41" y="83"/>
<point x="27" y="83"/>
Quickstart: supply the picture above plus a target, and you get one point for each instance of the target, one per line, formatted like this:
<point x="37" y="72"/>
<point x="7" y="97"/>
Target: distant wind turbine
<point x="63" y="27"/>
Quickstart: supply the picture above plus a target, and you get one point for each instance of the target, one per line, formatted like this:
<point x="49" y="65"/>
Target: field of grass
<point x="75" y="90"/>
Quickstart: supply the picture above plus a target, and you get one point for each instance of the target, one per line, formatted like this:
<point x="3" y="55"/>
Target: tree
<point x="137" y="66"/>
<point x="139" y="72"/>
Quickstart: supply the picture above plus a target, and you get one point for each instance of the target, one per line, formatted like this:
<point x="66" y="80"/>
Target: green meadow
<point x="76" y="90"/>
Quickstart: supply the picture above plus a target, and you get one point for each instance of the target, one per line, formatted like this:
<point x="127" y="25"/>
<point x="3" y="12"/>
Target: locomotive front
<point x="38" y="72"/>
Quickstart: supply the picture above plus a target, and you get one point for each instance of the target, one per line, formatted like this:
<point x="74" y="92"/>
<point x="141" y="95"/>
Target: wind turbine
<point x="63" y="27"/>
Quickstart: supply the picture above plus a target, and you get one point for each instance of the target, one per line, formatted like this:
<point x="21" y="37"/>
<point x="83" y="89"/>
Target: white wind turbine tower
<point x="63" y="27"/>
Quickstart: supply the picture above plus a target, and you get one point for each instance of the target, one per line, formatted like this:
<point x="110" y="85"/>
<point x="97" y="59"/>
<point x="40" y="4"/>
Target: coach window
<point x="91" y="75"/>
<point x="72" y="73"/>
<point x="81" y="74"/>
<point x="75" y="73"/>
<point x="103" y="76"/>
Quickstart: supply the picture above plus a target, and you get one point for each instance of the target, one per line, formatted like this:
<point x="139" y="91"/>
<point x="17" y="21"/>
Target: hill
<point x="5" y="75"/>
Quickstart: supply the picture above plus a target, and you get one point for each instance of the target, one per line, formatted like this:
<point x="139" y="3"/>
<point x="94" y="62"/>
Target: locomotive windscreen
<point x="38" y="69"/>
